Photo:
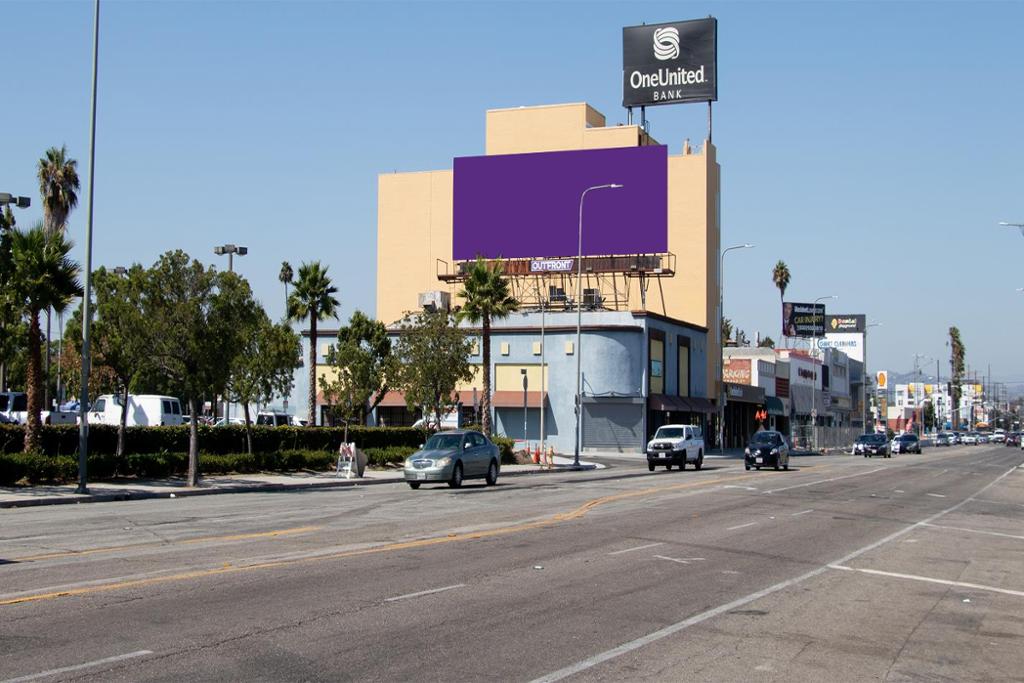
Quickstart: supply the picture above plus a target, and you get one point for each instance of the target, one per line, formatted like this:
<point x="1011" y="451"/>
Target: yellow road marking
<point x="159" y="544"/>
<point x="391" y="547"/>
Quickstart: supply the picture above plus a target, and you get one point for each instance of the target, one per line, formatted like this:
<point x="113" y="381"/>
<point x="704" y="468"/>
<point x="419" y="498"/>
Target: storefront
<point x="743" y="402"/>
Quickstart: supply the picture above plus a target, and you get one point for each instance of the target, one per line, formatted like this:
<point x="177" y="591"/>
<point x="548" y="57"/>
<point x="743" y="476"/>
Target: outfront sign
<point x="670" y="63"/>
<point x="555" y="265"/>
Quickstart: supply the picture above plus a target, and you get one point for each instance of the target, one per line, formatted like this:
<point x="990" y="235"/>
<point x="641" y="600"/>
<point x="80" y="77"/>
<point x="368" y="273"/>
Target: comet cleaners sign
<point x="669" y="63"/>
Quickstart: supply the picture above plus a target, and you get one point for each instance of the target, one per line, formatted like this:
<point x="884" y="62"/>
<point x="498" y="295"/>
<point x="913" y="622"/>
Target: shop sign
<point x="670" y="63"/>
<point x="563" y="265"/>
<point x="737" y="371"/>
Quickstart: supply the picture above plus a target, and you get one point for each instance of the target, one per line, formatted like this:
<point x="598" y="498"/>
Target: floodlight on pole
<point x="20" y="202"/>
<point x="1019" y="226"/>
<point x="230" y="250"/>
<point x="579" y="319"/>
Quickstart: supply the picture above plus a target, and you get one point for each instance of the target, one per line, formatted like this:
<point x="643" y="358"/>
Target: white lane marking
<point x="975" y="531"/>
<point x="733" y="528"/>
<point x="660" y="634"/>
<point x="422" y="593"/>
<point x="78" y="667"/>
<point x="825" y="481"/>
<point x="898" y="491"/>
<point x="680" y="560"/>
<point x="639" y="547"/>
<point x="803" y="512"/>
<point x="735" y="486"/>
<point x="928" y="579"/>
<point x="936" y="495"/>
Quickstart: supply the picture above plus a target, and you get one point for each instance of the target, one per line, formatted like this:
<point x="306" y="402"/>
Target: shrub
<point x="383" y="457"/>
<point x="505" y="446"/>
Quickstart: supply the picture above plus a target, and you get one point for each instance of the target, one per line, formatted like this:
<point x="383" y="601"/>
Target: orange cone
<point x="536" y="456"/>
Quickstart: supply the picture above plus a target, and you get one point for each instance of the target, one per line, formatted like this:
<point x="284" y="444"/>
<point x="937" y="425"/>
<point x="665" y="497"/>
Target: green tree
<point x="264" y="366"/>
<point x="12" y="332"/>
<point x="486" y="298"/>
<point x="120" y="337"/>
<point x="726" y="330"/>
<point x="284" y="276"/>
<point x="958" y="354"/>
<point x="198" y="319"/>
<point x="433" y="358"/>
<point x="42" y="276"/>
<point x="929" y="415"/>
<point x="58" y="187"/>
<point x="766" y="343"/>
<point x="364" y="362"/>
<point x="781" y="278"/>
<point x="312" y="297"/>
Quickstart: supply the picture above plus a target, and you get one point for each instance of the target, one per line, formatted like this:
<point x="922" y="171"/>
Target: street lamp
<point x="579" y="318"/>
<point x="821" y="374"/>
<point x="1019" y="226"/>
<point x="231" y="250"/>
<point x="721" y="342"/>
<point x="20" y="202"/>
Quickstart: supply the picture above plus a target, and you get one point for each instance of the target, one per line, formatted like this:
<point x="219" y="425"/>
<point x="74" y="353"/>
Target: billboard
<point x="803" y="320"/>
<point x="528" y="205"/>
<point x="670" y="63"/>
<point x="737" y="371"/>
<point x="846" y="322"/>
<point x="850" y="343"/>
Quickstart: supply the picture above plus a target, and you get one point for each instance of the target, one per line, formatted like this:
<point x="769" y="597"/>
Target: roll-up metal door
<point x="613" y="426"/>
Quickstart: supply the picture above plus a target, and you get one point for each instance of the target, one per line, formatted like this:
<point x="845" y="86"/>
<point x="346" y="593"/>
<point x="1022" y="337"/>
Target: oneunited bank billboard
<point x="528" y="205"/>
<point x="670" y="63"/>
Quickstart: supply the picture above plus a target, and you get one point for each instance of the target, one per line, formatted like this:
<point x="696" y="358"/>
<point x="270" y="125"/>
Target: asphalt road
<point x="842" y="569"/>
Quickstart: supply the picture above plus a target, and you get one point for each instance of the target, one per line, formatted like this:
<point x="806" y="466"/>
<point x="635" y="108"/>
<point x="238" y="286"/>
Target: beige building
<point x="414" y="219"/>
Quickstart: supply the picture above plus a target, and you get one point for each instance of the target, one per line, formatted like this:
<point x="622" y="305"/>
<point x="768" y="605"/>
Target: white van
<point x="144" y="410"/>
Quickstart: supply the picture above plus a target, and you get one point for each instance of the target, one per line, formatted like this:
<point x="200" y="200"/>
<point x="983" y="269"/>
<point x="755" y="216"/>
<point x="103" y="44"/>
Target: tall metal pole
<point x="579" y="321"/>
<point x="83" y="415"/>
<point x="721" y="342"/>
<point x="543" y="383"/>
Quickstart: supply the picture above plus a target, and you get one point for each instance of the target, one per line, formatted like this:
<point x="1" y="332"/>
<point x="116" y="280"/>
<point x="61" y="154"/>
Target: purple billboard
<point x="527" y="205"/>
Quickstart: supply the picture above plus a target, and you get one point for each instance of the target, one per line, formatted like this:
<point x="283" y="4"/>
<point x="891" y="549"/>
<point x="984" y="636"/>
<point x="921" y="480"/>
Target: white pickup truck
<point x="676" y="445"/>
<point x="14" y="406"/>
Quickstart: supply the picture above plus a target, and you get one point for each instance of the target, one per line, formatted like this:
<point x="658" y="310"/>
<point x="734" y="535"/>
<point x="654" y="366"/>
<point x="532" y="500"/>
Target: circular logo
<point x="666" y="43"/>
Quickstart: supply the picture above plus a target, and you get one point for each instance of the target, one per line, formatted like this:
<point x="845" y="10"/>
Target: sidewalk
<point x="142" y="489"/>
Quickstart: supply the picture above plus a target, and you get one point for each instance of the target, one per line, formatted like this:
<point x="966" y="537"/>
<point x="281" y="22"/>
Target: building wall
<point x="414" y="224"/>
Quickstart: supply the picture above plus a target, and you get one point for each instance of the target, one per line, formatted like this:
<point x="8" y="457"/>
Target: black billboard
<point x="670" y="63"/>
<point x="845" y="322"/>
<point x="803" y="320"/>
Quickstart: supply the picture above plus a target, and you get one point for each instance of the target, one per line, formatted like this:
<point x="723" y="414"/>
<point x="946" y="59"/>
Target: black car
<point x="767" y="449"/>
<point x="906" y="443"/>
<point x="872" y="444"/>
<point x="1013" y="439"/>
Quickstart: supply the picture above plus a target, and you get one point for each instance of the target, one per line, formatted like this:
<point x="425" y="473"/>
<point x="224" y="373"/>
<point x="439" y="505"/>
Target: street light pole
<point x="231" y="250"/>
<point x="579" y="319"/>
<point x="721" y="343"/>
<point x="83" y="414"/>
<point x="864" y="385"/>
<point x="1019" y="226"/>
<point x="821" y="373"/>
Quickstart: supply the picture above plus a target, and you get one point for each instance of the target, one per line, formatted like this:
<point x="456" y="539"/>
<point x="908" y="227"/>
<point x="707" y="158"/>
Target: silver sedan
<point x="452" y="457"/>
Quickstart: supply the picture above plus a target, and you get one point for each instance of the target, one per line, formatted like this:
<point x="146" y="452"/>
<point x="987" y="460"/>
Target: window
<point x="656" y="350"/>
<point x="166" y="405"/>
<point x="100" y="405"/>
<point x="683" y="351"/>
<point x="175" y="408"/>
<point x="20" y="403"/>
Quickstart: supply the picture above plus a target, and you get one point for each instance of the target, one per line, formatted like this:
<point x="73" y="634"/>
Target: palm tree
<point x="43" y="277"/>
<point x="781" y="277"/>
<point x="58" y="187"/>
<point x="285" y="278"/>
<point x="312" y="298"/>
<point x="487" y="298"/>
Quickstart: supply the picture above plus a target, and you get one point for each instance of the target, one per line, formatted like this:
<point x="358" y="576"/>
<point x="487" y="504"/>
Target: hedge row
<point x="63" y="439"/>
<point x="36" y="469"/>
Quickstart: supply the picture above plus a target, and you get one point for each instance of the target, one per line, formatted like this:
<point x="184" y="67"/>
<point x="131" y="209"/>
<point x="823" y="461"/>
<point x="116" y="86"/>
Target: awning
<point x="774" y="405"/>
<point x="667" y="403"/>
<point x="514" y="399"/>
<point x="700" y="405"/>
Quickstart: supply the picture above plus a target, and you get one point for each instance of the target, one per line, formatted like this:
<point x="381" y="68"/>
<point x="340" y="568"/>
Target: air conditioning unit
<point x="435" y="301"/>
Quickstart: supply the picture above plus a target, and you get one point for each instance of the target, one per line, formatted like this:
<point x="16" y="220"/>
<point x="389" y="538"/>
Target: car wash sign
<point x="670" y="63"/>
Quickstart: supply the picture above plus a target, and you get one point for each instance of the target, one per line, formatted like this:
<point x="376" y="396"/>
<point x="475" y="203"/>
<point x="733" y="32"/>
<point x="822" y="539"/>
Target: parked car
<point x="676" y="445"/>
<point x="869" y="445"/>
<point x="944" y="439"/>
<point x="983" y="438"/>
<point x="958" y="438"/>
<point x="969" y="439"/>
<point x="767" y="448"/>
<point x="274" y="419"/>
<point x="224" y="421"/>
<point x="144" y="410"/>
<point x="1012" y="439"/>
<point x="906" y="443"/>
<point x="14" y="407"/>
<point x="998" y="437"/>
<point x="452" y="457"/>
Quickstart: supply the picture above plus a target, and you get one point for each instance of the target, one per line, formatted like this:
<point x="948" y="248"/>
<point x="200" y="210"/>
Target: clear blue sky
<point x="873" y="147"/>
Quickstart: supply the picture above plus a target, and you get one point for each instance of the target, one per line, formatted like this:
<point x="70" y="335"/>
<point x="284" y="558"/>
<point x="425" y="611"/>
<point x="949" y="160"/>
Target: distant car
<point x="906" y="443"/>
<point x="1012" y="439"/>
<point x="676" y="445"/>
<point x="998" y="437"/>
<point x="969" y="439"/>
<point x="224" y="422"/>
<point x="958" y="438"/>
<point x="767" y="448"/>
<point x="451" y="457"/>
<point x="872" y="444"/>
<point x="273" y="419"/>
<point x="944" y="439"/>
<point x="983" y="438"/>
